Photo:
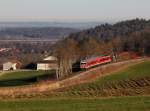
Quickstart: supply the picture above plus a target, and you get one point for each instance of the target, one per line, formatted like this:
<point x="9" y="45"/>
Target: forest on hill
<point x="131" y="35"/>
<point x="107" y="31"/>
<point x="126" y="36"/>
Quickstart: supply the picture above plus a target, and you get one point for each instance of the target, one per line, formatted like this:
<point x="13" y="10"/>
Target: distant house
<point x="49" y="63"/>
<point x="11" y="65"/>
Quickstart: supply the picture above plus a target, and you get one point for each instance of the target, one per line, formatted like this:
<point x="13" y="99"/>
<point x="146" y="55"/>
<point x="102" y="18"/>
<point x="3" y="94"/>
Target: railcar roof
<point x="91" y="59"/>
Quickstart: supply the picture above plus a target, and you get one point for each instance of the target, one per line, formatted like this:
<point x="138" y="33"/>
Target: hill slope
<point x="135" y="80"/>
<point x="107" y="31"/>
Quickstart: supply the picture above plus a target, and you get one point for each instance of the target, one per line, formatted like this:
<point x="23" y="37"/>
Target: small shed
<point x="11" y="65"/>
<point x="49" y="63"/>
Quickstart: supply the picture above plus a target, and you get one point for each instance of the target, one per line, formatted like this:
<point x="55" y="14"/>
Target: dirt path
<point x="87" y="76"/>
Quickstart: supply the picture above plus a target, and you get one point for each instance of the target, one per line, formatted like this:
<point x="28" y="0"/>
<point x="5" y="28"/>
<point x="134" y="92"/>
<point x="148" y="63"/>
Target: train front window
<point x="83" y="64"/>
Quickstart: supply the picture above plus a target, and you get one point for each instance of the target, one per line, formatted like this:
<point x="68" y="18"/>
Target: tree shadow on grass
<point x="27" y="81"/>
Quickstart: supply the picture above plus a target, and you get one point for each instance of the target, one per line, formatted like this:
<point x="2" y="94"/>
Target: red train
<point x="91" y="62"/>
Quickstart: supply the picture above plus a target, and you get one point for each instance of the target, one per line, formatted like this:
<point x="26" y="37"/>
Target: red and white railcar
<point x="94" y="61"/>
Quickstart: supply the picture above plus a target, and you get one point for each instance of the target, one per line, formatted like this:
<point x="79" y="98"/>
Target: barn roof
<point x="92" y="58"/>
<point x="12" y="61"/>
<point x="52" y="58"/>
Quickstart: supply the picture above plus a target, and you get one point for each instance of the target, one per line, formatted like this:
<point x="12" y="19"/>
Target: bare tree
<point x="90" y="47"/>
<point x="114" y="46"/>
<point x="66" y="53"/>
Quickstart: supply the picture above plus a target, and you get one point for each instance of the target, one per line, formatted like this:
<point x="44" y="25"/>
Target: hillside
<point x="135" y="80"/>
<point x="132" y="36"/>
<point x="108" y="31"/>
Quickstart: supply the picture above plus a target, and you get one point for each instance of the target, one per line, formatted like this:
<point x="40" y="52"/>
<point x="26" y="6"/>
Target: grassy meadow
<point x="82" y="104"/>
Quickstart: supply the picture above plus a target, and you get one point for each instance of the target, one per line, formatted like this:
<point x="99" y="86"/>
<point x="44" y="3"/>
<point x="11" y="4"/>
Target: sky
<point x="73" y="10"/>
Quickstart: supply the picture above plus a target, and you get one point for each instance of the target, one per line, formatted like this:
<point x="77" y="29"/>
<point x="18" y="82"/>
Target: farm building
<point x="48" y="63"/>
<point x="11" y="65"/>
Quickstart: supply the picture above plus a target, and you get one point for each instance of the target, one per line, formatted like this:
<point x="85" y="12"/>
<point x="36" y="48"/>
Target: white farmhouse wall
<point x="9" y="65"/>
<point x="43" y="66"/>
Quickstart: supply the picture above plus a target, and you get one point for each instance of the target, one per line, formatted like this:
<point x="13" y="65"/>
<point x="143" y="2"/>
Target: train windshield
<point x="83" y="63"/>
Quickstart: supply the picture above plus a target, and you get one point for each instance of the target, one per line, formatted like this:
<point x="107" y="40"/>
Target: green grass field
<point x="82" y="104"/>
<point x="22" y="77"/>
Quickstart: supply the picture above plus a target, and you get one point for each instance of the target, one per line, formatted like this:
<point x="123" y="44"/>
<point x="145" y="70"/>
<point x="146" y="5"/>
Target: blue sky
<point x="73" y="10"/>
